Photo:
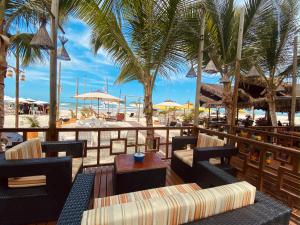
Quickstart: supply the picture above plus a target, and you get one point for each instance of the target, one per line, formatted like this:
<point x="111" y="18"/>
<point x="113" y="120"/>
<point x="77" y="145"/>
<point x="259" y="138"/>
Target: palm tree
<point x="142" y="37"/>
<point x="23" y="13"/>
<point x="12" y="14"/>
<point x="273" y="44"/>
<point x="25" y="54"/>
<point x="221" y="33"/>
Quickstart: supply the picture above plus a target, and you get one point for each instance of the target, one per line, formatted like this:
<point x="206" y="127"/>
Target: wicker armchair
<point x="43" y="202"/>
<point x="188" y="171"/>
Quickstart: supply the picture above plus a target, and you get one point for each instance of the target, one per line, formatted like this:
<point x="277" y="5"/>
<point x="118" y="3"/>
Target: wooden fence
<point x="272" y="168"/>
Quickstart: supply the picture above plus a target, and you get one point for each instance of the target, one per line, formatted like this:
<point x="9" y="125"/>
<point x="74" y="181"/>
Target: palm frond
<point x="28" y="54"/>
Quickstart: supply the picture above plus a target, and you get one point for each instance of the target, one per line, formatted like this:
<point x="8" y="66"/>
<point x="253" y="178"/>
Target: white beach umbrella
<point x="30" y="100"/>
<point x="8" y="99"/>
<point x="136" y="105"/>
<point x="100" y="96"/>
<point x="41" y="103"/>
<point x="23" y="100"/>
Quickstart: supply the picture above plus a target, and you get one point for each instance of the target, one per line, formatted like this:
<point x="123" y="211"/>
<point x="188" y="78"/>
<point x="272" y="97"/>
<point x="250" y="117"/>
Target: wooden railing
<point x="104" y="143"/>
<point x="272" y="168"/>
<point x="279" y="138"/>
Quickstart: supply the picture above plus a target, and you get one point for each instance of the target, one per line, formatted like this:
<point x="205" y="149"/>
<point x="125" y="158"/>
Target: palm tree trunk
<point x="3" y="64"/>
<point x="272" y="108"/>
<point x="148" y="111"/>
<point x="17" y="87"/>
<point x="228" y="103"/>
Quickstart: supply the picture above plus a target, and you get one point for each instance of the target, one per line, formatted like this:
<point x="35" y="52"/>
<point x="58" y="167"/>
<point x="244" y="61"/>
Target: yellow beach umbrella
<point x="168" y="104"/>
<point x="188" y="105"/>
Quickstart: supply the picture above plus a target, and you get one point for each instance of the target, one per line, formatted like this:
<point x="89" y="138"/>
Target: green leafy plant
<point x="34" y="122"/>
<point x="187" y="118"/>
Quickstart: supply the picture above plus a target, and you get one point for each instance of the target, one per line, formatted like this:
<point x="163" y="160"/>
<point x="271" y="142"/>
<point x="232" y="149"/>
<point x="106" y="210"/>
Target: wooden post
<point x="76" y="110"/>
<point x="237" y="70"/>
<point x="139" y="110"/>
<point x="52" y="135"/>
<point x="84" y="90"/>
<point x="58" y="89"/>
<point x="199" y="67"/>
<point x="125" y="108"/>
<point x="98" y="105"/>
<point x="253" y="113"/>
<point x="17" y="71"/>
<point x="294" y="82"/>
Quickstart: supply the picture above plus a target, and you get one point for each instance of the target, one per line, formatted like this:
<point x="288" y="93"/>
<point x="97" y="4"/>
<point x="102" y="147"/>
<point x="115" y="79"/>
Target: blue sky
<point x="95" y="70"/>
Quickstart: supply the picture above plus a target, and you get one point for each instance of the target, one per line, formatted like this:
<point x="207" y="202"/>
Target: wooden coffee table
<point x="134" y="176"/>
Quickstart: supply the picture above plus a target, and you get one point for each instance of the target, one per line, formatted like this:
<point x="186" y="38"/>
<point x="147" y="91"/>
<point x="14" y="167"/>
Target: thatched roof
<point x="255" y="87"/>
<point x="251" y="92"/>
<point x="212" y="91"/>
<point x="209" y="102"/>
<point x="283" y="104"/>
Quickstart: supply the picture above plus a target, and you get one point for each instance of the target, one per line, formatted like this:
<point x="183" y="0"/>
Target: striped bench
<point x="145" y="194"/>
<point x="179" y="208"/>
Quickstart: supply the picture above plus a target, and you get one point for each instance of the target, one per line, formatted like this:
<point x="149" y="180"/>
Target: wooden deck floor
<point x="104" y="180"/>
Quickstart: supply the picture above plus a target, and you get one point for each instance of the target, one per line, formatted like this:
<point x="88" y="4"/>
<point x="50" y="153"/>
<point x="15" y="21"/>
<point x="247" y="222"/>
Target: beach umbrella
<point x="41" y="103"/>
<point x="8" y="99"/>
<point x="99" y="96"/>
<point x="188" y="105"/>
<point x="167" y="105"/>
<point x="30" y="100"/>
<point x="23" y="100"/>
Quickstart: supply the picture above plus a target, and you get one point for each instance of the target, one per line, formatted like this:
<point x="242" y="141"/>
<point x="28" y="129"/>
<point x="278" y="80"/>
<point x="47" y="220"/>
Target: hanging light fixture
<point x="192" y="72"/>
<point x="211" y="68"/>
<point x="9" y="73"/>
<point x="22" y="77"/>
<point x="42" y="39"/>
<point x="253" y="73"/>
<point x="62" y="53"/>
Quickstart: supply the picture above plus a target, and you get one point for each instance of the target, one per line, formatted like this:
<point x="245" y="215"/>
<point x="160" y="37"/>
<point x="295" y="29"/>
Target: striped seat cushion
<point x="144" y="195"/>
<point x="185" y="156"/>
<point x="205" y="140"/>
<point x="31" y="149"/>
<point x="40" y="180"/>
<point x="174" y="209"/>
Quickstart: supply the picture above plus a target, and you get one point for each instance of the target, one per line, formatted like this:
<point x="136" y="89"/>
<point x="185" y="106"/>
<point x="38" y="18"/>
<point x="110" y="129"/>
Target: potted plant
<point x="34" y="123"/>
